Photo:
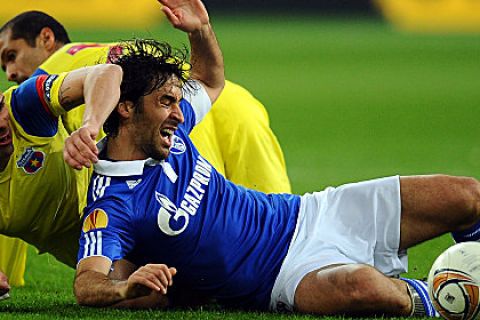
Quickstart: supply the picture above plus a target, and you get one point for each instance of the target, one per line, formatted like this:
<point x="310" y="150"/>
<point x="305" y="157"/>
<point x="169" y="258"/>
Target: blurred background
<point x="355" y="89"/>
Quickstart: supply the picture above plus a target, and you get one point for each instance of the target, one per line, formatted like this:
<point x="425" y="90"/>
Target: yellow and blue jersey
<point x="41" y="197"/>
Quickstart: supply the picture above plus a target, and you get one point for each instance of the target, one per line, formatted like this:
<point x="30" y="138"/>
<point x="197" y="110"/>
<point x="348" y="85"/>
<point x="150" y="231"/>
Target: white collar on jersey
<point x="130" y="168"/>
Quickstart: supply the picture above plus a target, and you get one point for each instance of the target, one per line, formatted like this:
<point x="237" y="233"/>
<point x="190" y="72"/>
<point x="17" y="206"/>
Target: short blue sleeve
<point x="106" y="231"/>
<point x="39" y="72"/>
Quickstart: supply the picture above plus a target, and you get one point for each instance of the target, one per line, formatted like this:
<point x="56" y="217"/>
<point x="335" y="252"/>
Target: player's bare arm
<point x="144" y="288"/>
<point x="99" y="88"/>
<point x="207" y="61"/>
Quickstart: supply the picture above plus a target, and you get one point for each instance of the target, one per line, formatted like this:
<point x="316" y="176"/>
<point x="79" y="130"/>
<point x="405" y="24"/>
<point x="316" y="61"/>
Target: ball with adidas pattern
<point x="454" y="282"/>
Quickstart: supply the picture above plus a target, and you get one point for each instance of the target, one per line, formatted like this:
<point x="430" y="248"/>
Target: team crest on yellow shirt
<point x="31" y="160"/>
<point x="97" y="219"/>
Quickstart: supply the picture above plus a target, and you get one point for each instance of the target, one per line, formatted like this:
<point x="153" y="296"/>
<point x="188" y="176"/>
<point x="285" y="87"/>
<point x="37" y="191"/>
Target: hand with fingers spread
<point x="80" y="148"/>
<point x="156" y="277"/>
<point x="186" y="15"/>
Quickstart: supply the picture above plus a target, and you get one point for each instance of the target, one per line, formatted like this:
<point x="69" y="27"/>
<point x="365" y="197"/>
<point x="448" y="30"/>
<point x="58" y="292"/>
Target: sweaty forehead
<point x="172" y="86"/>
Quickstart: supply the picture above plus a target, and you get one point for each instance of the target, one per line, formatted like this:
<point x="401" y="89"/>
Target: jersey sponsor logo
<point x="172" y="220"/>
<point x="167" y="211"/>
<point x="178" y="145"/>
<point x="97" y="219"/>
<point x="47" y="86"/>
<point x="31" y="160"/>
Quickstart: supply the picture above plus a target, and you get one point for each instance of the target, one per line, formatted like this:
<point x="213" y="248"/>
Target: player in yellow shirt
<point x="41" y="196"/>
<point x="235" y="136"/>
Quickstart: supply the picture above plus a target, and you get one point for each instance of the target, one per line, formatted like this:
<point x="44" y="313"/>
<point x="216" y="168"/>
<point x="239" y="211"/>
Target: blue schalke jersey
<point x="226" y="241"/>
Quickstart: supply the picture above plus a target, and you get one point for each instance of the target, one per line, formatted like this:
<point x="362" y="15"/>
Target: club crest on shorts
<point x="31" y="160"/>
<point x="178" y="145"/>
<point x="97" y="219"/>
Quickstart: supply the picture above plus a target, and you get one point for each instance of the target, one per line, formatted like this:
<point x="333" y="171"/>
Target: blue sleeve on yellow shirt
<point x="39" y="72"/>
<point x="30" y="107"/>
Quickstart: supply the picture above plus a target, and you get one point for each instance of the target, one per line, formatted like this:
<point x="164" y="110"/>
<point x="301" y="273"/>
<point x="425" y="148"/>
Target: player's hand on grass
<point x="80" y="148"/>
<point x="4" y="286"/>
<point x="156" y="277"/>
<point x="186" y="15"/>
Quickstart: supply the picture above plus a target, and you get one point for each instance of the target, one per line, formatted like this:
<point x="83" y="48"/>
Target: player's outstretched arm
<point x="145" y="288"/>
<point x="99" y="88"/>
<point x="192" y="17"/>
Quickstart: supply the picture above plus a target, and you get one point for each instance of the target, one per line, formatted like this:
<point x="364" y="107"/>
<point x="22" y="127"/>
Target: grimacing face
<point x="18" y="59"/>
<point x="153" y="128"/>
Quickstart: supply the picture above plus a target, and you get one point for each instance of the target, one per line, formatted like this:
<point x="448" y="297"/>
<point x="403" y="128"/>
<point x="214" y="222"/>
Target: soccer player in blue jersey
<point x="165" y="219"/>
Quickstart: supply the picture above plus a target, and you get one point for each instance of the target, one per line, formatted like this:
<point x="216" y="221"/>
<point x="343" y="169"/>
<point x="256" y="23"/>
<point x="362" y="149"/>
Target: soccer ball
<point x="454" y="282"/>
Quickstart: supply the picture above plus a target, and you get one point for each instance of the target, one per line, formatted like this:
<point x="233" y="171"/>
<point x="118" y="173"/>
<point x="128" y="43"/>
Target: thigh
<point x="434" y="205"/>
<point x="352" y="224"/>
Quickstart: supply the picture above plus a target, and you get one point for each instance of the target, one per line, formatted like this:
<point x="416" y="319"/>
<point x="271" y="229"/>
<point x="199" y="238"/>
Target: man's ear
<point x="46" y="38"/>
<point x="126" y="109"/>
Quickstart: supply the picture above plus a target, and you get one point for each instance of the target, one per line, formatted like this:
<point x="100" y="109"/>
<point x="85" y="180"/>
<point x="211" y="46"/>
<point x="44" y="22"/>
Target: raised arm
<point x="129" y="287"/>
<point x="99" y="88"/>
<point x="191" y="17"/>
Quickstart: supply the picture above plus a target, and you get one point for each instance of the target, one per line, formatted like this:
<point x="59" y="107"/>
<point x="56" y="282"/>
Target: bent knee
<point x="467" y="191"/>
<point x="363" y="282"/>
<point x="349" y="290"/>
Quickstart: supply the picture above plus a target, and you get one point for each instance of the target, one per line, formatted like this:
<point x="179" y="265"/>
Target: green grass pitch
<point x="348" y="99"/>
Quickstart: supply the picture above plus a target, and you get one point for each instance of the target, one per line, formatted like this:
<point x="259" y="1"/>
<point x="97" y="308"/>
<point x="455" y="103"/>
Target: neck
<point x="58" y="46"/>
<point x="121" y="149"/>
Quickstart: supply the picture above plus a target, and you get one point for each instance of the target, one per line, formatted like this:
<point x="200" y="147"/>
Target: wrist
<point x="202" y="32"/>
<point x="93" y="127"/>
<point x="122" y="289"/>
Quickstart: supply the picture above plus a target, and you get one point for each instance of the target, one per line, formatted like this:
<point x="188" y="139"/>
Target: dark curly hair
<point x="147" y="64"/>
<point x="28" y="25"/>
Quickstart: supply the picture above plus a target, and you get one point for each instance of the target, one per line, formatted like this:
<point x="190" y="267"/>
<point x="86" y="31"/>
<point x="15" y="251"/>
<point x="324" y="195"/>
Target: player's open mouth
<point x="5" y="139"/>
<point x="167" y="134"/>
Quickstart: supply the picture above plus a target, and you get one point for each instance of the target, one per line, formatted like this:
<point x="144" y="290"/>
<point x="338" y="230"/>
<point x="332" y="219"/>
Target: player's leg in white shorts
<point x="355" y="223"/>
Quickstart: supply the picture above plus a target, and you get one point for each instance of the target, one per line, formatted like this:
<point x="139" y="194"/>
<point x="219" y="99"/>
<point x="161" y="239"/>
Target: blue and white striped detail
<point x="471" y="234"/>
<point x="100" y="183"/>
<point x="93" y="244"/>
<point x="422" y="289"/>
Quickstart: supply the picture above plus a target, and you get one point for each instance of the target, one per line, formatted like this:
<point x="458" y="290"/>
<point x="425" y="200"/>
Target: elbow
<point x="82" y="290"/>
<point x="80" y="296"/>
<point x="217" y="89"/>
<point x="110" y="71"/>
<point x="114" y="71"/>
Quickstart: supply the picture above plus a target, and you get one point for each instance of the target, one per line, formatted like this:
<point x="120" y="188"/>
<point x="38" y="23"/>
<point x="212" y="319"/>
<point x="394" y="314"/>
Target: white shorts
<point x="354" y="223"/>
